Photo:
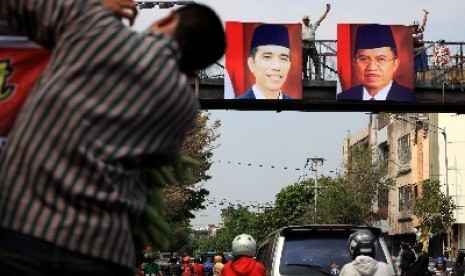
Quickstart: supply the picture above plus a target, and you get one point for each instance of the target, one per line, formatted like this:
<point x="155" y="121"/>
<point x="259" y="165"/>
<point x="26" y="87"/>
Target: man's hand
<point x="122" y="8"/>
<point x="425" y="11"/>
<point x="328" y="7"/>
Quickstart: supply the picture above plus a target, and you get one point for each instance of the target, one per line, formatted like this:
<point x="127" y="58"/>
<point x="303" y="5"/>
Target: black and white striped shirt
<point x="108" y="95"/>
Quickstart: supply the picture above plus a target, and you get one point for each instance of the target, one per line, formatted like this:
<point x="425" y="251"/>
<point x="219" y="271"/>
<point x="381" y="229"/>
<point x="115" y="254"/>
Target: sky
<point x="277" y="145"/>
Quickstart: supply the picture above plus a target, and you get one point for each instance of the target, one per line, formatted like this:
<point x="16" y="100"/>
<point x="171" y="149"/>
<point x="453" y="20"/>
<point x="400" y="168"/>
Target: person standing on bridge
<point x="269" y="61"/>
<point x="419" y="49"/>
<point x="375" y="61"/>
<point x="110" y="102"/>
<point x="309" y="47"/>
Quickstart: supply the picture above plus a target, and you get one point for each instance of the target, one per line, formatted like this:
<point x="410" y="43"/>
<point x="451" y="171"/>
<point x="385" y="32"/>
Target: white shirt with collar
<point x="259" y="96"/>
<point x="380" y="96"/>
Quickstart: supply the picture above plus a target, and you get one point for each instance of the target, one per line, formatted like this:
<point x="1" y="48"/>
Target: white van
<point x="313" y="250"/>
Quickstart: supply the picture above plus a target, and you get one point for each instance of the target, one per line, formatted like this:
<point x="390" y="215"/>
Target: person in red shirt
<point x="198" y="267"/>
<point x="187" y="269"/>
<point x="243" y="263"/>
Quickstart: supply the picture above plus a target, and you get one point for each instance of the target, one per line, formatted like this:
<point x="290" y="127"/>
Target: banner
<point x="263" y="61"/>
<point x="21" y="63"/>
<point x="375" y="62"/>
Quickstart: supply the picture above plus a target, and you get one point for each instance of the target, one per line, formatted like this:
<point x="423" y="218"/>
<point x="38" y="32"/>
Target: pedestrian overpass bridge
<point x="443" y="89"/>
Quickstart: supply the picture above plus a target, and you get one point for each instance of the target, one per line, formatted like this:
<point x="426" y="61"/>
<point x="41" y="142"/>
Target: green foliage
<point x="367" y="183"/>
<point x="185" y="197"/>
<point x="434" y="209"/>
<point x="181" y="234"/>
<point x="346" y="199"/>
<point x="236" y="221"/>
<point x="339" y="203"/>
<point x="293" y="203"/>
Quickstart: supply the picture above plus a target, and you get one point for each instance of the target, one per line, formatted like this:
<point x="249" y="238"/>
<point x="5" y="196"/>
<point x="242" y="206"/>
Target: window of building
<point x="405" y="198"/>
<point x="403" y="150"/>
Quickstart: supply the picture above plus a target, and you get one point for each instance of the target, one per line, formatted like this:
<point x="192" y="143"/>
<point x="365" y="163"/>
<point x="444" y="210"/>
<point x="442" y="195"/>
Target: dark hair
<point x="201" y="37"/>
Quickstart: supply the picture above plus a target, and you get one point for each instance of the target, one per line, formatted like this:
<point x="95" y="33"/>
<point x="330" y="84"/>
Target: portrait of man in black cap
<point x="269" y="61"/>
<point x="375" y="61"/>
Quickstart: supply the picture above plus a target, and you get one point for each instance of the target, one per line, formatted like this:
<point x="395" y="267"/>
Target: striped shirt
<point x="108" y="96"/>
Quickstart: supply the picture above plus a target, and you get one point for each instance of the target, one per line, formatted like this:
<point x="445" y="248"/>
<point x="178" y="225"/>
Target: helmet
<point x="187" y="259"/>
<point x="440" y="259"/>
<point x="244" y="245"/>
<point x="362" y="242"/>
<point x="217" y="259"/>
<point x="146" y="257"/>
<point x="173" y="260"/>
<point x="416" y="23"/>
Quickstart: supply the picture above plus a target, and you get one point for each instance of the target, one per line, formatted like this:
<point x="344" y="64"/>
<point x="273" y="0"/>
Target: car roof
<point x="343" y="228"/>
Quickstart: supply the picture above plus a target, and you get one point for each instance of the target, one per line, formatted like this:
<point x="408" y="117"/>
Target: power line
<point x="258" y="165"/>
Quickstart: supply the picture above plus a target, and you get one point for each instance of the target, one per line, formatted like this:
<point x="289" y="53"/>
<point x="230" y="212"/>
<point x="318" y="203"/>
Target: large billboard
<point x="375" y="63"/>
<point x="264" y="56"/>
<point x="263" y="61"/>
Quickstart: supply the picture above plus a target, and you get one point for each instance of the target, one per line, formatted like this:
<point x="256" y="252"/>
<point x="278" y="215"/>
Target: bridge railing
<point x="451" y="73"/>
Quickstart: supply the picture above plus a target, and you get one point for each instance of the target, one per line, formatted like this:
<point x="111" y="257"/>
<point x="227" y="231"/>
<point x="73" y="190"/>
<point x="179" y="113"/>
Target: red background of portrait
<point x="26" y="65"/>
<point x="345" y="43"/>
<point x="239" y="35"/>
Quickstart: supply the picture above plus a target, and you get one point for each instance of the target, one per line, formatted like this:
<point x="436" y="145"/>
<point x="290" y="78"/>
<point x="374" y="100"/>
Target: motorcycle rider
<point x="362" y="250"/>
<point x="243" y="263"/>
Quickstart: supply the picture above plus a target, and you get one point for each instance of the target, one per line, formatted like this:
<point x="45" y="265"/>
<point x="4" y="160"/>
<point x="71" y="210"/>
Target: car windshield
<point x="316" y="255"/>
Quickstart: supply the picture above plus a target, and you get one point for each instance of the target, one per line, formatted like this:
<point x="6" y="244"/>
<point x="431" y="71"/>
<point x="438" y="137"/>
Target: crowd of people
<point x="243" y="262"/>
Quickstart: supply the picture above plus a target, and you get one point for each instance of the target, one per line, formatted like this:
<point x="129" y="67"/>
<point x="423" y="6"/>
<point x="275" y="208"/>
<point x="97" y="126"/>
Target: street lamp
<point x="444" y="134"/>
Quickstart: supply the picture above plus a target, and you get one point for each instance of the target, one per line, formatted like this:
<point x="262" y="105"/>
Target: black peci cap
<point x="270" y="34"/>
<point x="374" y="36"/>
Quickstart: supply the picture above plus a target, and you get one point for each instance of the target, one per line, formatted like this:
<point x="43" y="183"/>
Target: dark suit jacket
<point x="250" y="95"/>
<point x="397" y="93"/>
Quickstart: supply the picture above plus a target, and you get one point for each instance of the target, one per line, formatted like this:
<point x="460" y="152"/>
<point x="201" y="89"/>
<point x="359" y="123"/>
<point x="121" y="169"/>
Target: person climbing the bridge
<point x="309" y="47"/>
<point x="419" y="49"/>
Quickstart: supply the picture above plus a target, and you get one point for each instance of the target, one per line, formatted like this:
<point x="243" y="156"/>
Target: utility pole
<point x="314" y="165"/>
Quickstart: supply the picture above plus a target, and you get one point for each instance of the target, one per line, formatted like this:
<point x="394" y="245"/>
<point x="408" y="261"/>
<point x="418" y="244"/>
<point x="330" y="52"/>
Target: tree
<point x="339" y="203"/>
<point x="293" y="203"/>
<point x="187" y="197"/>
<point x="199" y="144"/>
<point x="367" y="178"/>
<point x="433" y="209"/>
<point x="236" y="221"/>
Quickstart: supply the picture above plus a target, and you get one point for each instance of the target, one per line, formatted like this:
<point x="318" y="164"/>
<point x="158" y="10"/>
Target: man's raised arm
<point x="425" y="18"/>
<point x="328" y="8"/>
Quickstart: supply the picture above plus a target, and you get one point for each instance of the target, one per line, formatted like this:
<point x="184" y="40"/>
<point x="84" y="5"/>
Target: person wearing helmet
<point x="150" y="267"/>
<point x="208" y="266"/>
<point x="440" y="267"/>
<point x="243" y="262"/>
<point x="197" y="267"/>
<point x="187" y="268"/>
<point x="218" y="265"/>
<point x="174" y="268"/>
<point x="362" y="248"/>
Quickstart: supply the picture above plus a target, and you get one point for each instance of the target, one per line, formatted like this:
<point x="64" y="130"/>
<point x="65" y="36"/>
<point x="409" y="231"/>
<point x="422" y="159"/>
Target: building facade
<point x="417" y="147"/>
